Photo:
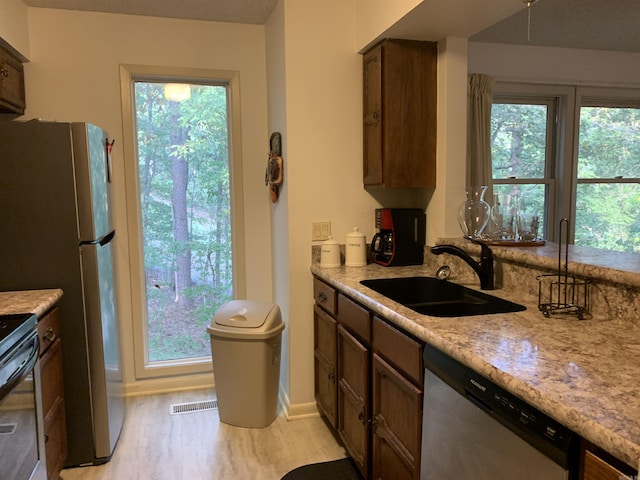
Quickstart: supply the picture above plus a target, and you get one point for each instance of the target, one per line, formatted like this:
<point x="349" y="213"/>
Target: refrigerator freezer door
<point x="104" y="354"/>
<point x="49" y="200"/>
<point x="93" y="188"/>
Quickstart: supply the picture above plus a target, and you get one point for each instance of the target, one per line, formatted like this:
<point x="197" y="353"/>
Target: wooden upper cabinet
<point x="12" y="96"/>
<point x="399" y="109"/>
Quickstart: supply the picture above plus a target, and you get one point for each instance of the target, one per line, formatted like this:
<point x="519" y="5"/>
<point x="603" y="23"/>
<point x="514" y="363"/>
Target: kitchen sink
<point x="440" y="298"/>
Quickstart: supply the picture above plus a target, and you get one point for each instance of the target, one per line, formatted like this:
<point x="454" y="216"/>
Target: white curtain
<point x="479" y="100"/>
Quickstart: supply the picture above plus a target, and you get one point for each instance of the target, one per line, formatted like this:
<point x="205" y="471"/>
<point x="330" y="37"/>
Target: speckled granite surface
<point x="583" y="373"/>
<point x="33" y="301"/>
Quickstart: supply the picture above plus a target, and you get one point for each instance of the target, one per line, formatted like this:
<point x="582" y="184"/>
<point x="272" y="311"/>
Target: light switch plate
<point x="320" y="231"/>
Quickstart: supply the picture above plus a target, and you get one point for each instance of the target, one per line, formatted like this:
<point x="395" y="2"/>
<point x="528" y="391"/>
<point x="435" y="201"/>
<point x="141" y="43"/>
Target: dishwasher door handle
<point x="477" y="402"/>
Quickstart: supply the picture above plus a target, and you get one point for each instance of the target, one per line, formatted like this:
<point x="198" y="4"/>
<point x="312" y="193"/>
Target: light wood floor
<point x="197" y="446"/>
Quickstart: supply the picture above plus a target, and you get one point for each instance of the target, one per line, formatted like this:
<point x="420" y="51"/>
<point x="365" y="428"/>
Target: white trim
<point x="128" y="74"/>
<point x="157" y="386"/>
<point x="296" y="411"/>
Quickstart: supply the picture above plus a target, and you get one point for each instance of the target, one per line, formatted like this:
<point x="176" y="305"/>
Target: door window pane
<point x="183" y="164"/>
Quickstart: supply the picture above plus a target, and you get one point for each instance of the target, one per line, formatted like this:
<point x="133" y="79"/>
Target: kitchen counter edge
<point x="29" y="301"/>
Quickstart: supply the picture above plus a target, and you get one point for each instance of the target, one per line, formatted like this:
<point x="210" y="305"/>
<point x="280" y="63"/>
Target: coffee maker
<point x="400" y="238"/>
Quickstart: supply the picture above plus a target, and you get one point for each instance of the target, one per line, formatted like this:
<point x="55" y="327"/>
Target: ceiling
<point x="234" y="11"/>
<point x="586" y="24"/>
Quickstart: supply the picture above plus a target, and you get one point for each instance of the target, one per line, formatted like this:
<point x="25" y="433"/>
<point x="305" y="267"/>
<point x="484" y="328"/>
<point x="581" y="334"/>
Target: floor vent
<point x="190" y="407"/>
<point x="8" y="428"/>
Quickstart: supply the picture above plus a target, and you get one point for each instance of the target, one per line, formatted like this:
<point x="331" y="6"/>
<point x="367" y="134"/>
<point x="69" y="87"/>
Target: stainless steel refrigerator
<point x="56" y="232"/>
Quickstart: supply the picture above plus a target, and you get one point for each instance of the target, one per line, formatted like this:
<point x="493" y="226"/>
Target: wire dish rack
<point x="560" y="293"/>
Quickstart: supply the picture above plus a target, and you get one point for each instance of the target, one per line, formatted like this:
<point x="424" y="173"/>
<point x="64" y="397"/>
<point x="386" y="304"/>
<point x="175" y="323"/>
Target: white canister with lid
<point x="356" y="249"/>
<point x="330" y="254"/>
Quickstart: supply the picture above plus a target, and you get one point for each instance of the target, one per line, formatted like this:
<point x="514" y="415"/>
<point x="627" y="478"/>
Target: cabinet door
<point x="325" y="344"/>
<point x="12" y="97"/>
<point x="399" y="105"/>
<point x="397" y="419"/>
<point x="372" y="111"/>
<point x="353" y="398"/>
<point x="55" y="431"/>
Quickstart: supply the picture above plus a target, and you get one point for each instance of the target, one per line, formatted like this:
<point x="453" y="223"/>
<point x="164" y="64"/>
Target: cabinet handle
<point x="361" y="416"/>
<point x="332" y="376"/>
<point x="4" y="73"/>
<point x="372" y="119"/>
<point x="322" y="297"/>
<point x="50" y="335"/>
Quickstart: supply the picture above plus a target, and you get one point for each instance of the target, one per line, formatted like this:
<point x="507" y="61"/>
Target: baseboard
<point x="156" y="386"/>
<point x="296" y="411"/>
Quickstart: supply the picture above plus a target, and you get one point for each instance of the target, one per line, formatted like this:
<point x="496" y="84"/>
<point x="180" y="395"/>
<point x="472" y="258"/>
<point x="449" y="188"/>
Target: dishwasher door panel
<point x="461" y="441"/>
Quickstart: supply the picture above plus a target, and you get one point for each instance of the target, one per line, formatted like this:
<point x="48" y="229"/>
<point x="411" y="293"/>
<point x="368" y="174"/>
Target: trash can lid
<point x="245" y="314"/>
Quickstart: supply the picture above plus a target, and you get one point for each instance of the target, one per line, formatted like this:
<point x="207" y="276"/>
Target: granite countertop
<point x="583" y="373"/>
<point x="29" y="301"/>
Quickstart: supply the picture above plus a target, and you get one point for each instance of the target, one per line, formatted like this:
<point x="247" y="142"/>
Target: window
<point x="593" y="181"/>
<point x="181" y="215"/>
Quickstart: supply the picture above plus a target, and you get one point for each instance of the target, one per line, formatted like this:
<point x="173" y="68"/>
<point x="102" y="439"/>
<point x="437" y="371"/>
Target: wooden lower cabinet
<point x="325" y="345"/>
<point x="55" y="430"/>
<point x="397" y="418"/>
<point x="353" y="398"/>
<point x="602" y="466"/>
<point x="368" y="386"/>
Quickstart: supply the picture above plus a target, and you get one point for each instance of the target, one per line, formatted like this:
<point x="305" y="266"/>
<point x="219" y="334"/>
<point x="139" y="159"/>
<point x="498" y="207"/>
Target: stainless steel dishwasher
<point x="474" y="429"/>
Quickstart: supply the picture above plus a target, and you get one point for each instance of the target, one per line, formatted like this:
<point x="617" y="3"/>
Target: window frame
<point x="598" y="97"/>
<point x="563" y="166"/>
<point x="559" y="100"/>
<point x="129" y="74"/>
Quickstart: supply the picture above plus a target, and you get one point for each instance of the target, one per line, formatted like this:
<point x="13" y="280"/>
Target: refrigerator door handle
<point x="102" y="241"/>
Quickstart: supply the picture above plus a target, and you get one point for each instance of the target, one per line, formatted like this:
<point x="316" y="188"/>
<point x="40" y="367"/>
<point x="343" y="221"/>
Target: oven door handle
<point x="25" y="367"/>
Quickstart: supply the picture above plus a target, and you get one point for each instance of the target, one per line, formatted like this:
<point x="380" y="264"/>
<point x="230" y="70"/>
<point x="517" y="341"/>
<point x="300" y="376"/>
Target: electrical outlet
<point x="320" y="231"/>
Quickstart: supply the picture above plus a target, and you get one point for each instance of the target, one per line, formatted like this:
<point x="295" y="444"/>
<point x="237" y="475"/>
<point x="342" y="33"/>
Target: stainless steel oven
<point x="21" y="444"/>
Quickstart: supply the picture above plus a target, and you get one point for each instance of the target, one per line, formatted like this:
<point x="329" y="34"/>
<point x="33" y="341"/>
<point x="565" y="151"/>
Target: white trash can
<point x="246" y="339"/>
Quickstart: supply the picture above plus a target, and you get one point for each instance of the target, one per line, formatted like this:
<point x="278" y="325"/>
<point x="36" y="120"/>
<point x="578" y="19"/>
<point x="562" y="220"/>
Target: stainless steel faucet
<point x="483" y="268"/>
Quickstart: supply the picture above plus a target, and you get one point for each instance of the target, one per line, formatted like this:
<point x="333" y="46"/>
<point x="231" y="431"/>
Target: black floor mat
<point x="342" y="469"/>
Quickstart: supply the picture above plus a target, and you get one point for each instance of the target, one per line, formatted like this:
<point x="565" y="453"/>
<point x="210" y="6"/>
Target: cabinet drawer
<point x="48" y="330"/>
<point x="597" y="469"/>
<point x="325" y="296"/>
<point x="399" y="349"/>
<point x="354" y="317"/>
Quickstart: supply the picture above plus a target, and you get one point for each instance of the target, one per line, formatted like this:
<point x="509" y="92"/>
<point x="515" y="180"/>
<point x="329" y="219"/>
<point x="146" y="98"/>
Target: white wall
<point x="277" y="104"/>
<point x="74" y="76"/>
<point x="14" y="31"/>
<point x="554" y="65"/>
<point x="323" y="175"/>
<point x="451" y="151"/>
<point x="376" y="16"/>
